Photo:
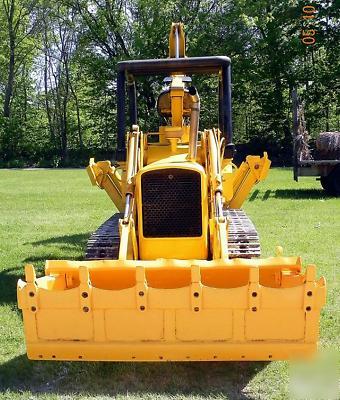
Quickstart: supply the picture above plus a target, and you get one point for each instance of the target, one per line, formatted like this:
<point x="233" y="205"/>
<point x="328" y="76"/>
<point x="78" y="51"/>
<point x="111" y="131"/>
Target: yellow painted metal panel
<point x="263" y="264"/>
<point x="273" y="325"/>
<point x="103" y="298"/>
<point x="64" y="325"/>
<point x="59" y="299"/>
<point x="134" y="325"/>
<point x="168" y="298"/>
<point x="182" y="248"/>
<point x="182" y="351"/>
<point x="289" y="298"/>
<point x="160" y="152"/>
<point x="204" y="325"/>
<point x="312" y="326"/>
<point x="235" y="298"/>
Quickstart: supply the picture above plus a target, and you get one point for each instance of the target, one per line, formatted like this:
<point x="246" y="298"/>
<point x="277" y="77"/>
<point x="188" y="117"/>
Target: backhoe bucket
<point x="256" y="309"/>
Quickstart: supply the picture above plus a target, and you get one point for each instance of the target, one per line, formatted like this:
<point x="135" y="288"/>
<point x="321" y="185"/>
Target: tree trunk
<point x="80" y="135"/>
<point x="69" y="83"/>
<point x="46" y="77"/>
<point x="25" y="93"/>
<point x="63" y="131"/>
<point x="10" y="76"/>
<point x="327" y="118"/>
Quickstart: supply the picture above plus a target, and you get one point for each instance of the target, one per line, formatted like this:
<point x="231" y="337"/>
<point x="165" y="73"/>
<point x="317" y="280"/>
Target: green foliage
<point x="63" y="102"/>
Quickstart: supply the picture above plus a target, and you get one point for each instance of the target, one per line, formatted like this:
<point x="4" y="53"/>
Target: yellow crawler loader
<point x="175" y="274"/>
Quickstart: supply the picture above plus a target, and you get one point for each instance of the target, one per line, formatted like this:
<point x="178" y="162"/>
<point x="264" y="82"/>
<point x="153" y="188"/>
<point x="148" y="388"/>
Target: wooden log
<point x="328" y="145"/>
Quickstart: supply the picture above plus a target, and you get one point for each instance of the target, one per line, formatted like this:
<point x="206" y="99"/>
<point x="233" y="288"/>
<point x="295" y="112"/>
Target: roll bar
<point x="128" y="70"/>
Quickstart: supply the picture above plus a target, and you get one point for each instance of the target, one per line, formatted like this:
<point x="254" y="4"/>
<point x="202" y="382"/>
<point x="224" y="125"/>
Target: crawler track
<point x="243" y="239"/>
<point x="103" y="244"/>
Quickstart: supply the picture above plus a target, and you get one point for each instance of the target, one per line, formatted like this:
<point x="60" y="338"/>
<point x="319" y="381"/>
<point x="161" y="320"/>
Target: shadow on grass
<point x="254" y="195"/>
<point x="301" y="194"/>
<point x="112" y="379"/>
<point x="266" y="195"/>
<point x="72" y="247"/>
<point x="8" y="284"/>
<point x="65" y="241"/>
<point x="9" y="279"/>
<point x="66" y="247"/>
<point x="257" y="195"/>
<point x="292" y="194"/>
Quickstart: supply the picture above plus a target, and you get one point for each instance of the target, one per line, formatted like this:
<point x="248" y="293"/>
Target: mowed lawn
<point x="50" y="214"/>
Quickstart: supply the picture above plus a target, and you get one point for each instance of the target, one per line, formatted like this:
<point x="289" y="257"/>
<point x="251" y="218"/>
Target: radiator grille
<point x="171" y="203"/>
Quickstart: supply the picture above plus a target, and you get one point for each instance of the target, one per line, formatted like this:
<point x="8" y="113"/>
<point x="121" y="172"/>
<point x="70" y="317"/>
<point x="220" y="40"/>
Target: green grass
<point x="50" y="214"/>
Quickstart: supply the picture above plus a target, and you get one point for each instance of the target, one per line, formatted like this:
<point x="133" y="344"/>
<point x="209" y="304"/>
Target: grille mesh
<point x="171" y="203"/>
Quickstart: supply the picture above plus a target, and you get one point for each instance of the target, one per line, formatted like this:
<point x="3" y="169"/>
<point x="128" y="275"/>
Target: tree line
<point x="58" y="70"/>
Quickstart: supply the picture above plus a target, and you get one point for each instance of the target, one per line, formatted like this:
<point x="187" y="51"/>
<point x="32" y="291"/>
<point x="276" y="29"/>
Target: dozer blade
<point x="238" y="309"/>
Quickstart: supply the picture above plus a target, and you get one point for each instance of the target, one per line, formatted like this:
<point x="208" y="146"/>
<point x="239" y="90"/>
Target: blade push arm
<point x="253" y="170"/>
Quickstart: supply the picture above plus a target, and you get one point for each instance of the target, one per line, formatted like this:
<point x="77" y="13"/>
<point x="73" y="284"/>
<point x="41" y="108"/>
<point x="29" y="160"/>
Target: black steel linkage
<point x="121" y="148"/>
